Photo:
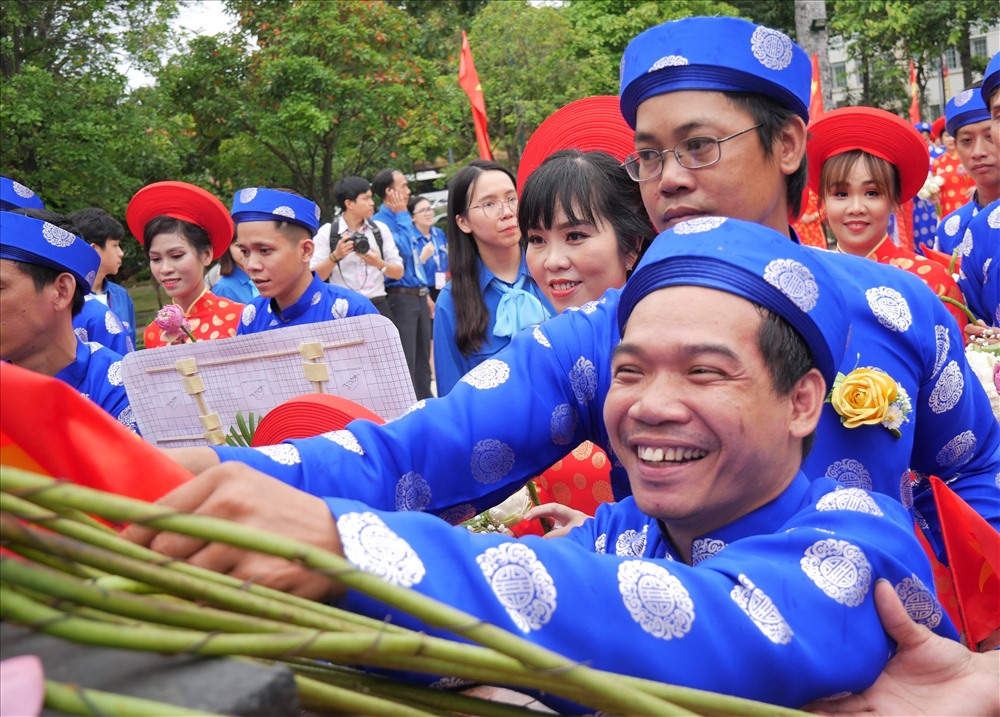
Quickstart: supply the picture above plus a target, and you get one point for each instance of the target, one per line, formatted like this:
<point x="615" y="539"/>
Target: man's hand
<point x="196" y="459"/>
<point x="563" y="517"/>
<point x="929" y="675"/>
<point x="427" y="252"/>
<point x="241" y="494"/>
<point x="394" y="200"/>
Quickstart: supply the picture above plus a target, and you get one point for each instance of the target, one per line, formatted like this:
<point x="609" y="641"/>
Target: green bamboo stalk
<point x="76" y="700"/>
<point x="960" y="305"/>
<point x="314" y="693"/>
<point x="122" y="509"/>
<point x="56" y="562"/>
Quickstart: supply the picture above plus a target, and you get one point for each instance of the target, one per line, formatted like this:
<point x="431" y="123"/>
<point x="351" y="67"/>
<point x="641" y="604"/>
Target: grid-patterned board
<point x="257" y="372"/>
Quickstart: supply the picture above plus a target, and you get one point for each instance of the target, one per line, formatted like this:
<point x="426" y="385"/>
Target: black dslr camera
<point x="361" y="244"/>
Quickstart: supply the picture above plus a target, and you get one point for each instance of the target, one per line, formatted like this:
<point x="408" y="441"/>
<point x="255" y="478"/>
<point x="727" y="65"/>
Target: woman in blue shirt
<point x="436" y="265"/>
<point x="234" y="283"/>
<point x="491" y="295"/>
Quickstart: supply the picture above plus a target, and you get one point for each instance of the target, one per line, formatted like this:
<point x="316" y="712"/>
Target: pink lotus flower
<point x="172" y="322"/>
<point x="22" y="686"/>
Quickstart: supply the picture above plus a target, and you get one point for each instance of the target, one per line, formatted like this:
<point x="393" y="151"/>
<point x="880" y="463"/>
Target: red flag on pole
<point x="914" y="96"/>
<point x="468" y="80"/>
<point x="815" y="92"/>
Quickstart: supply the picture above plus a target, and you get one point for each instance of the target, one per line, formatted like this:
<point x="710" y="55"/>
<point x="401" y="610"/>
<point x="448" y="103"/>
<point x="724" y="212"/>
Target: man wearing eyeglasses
<point x="913" y="402"/>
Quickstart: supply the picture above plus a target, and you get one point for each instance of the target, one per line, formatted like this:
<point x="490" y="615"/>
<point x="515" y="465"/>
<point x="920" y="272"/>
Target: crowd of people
<point x="765" y="413"/>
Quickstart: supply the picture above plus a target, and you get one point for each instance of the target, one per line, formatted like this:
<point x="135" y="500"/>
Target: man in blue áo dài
<point x="518" y="412"/>
<point x="45" y="273"/>
<point x="710" y="413"/>
<point x="274" y="231"/>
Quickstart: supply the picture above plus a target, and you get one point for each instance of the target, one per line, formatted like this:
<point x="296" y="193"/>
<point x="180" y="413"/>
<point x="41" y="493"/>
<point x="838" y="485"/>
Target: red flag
<point x="815" y="92"/>
<point x="914" y="96"/>
<point x="973" y="549"/>
<point x="468" y="80"/>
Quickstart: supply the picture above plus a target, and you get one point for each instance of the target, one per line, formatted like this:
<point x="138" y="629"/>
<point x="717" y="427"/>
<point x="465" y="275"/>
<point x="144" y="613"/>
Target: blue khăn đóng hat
<point x="33" y="241"/>
<point x="991" y="79"/>
<point x="14" y="195"/>
<point x="967" y="107"/>
<point x="268" y="205"/>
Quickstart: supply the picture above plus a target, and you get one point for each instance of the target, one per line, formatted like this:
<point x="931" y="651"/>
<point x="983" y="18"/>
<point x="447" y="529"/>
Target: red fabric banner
<point x="815" y="92"/>
<point x="468" y="80"/>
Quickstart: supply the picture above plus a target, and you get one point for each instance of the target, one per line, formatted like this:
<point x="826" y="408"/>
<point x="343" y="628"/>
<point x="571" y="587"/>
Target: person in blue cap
<point x="980" y="271"/>
<point x="968" y="121"/>
<point x="45" y="273"/>
<point x="710" y="413"/>
<point x="274" y="230"/>
<point x="14" y="195"/>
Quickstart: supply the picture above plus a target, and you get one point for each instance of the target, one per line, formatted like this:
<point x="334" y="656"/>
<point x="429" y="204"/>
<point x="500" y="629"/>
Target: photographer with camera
<point x="354" y="251"/>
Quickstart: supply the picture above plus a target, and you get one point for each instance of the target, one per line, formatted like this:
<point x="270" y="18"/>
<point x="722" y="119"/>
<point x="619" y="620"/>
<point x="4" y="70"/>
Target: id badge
<point x="440" y="279"/>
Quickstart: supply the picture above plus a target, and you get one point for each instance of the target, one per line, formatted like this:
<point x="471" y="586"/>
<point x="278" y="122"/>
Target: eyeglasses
<point x="425" y="210"/>
<point x="691" y="153"/>
<point x="494" y="209"/>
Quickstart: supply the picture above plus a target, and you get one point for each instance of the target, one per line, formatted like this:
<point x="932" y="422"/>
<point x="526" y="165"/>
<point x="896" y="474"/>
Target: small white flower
<point x="893" y="417"/>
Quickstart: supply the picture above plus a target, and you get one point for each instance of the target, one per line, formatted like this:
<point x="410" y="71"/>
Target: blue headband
<point x="271" y="205"/>
<point x="922" y="127"/>
<point x="17" y="196"/>
<point x="991" y="79"/>
<point x="33" y="241"/>
<point x="724" y="54"/>
<point x="755" y="263"/>
<point x="967" y="107"/>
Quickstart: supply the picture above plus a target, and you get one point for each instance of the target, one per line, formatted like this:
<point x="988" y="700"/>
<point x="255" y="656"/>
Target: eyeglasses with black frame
<point x="493" y="209"/>
<point x="690" y="153"/>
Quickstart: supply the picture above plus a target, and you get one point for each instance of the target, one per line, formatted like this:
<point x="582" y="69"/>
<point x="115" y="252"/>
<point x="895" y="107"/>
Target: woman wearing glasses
<point x="491" y="295"/>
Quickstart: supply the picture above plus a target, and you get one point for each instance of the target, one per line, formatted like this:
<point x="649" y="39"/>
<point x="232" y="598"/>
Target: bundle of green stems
<point x="72" y="577"/>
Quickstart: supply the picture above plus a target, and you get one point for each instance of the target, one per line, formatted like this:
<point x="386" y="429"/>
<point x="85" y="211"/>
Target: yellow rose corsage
<point x="868" y="397"/>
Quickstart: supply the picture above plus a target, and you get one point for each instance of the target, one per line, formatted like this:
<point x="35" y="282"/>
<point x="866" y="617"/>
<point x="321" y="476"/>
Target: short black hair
<point x="97" y="226"/>
<point x="414" y="201"/>
<point x="41" y="275"/>
<point x="786" y="355"/>
<point x="350" y="188"/>
<point x="382" y="181"/>
<point x="193" y="234"/>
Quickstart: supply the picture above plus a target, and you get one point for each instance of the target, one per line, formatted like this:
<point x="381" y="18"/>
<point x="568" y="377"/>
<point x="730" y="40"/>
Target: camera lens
<point x="361" y="244"/>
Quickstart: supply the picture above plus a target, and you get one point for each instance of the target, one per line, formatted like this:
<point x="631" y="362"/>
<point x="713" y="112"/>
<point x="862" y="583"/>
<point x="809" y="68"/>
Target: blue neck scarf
<point x="517" y="308"/>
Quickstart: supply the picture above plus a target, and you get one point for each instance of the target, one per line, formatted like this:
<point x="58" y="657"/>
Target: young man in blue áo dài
<point x="520" y="411"/>
<point x="968" y="121"/>
<point x="45" y="273"/>
<point x="732" y="537"/>
<point x="980" y="273"/>
<point x="274" y="231"/>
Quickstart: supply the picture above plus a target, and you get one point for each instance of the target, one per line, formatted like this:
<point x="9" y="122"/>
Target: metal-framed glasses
<point x="691" y="153"/>
<point x="493" y="209"/>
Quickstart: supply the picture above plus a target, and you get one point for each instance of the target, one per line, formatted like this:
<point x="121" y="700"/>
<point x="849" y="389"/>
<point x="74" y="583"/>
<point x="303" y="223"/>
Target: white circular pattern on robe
<point x="91" y="277"/>
<point x="601" y="544"/>
<point x="127" y="418"/>
<point x="850" y="474"/>
<point x="458" y="514"/>
<point x="840" y="569"/>
<point x="889" y="307"/>
<point x="340" y="308"/>
<point x="948" y="389"/>
<point x="448" y="683"/>
<point x="247" y="195"/>
<point x="562" y="424"/>
<point x="81" y="333"/>
<point x="284" y="453"/>
<point x="965" y="246"/>
<point x="422" y="403"/>
<point x="274" y="322"/>
<point x="591" y="306"/>
<point x="315" y="299"/>
<point x="631" y="544"/>
<point x="854" y="499"/>
<point x="491" y="460"/>
<point x="699" y="225"/>
<point x="521" y="583"/>
<point x="412" y="492"/>
<point x="942" y="339"/>
<point x="958" y="451"/>
<point x="93" y="345"/>
<point x="986" y="269"/>
<point x="655" y="599"/>
<point x="537" y="334"/>
<point x="115" y="374"/>
<point x="906" y="490"/>
<point x="793" y="280"/>
<point x="772" y="49"/>
<point x="705" y="548"/>
<point x="112" y="323"/>
<point x="963" y="97"/>
<point x="920" y="603"/>
<point x="374" y="548"/>
<point x="952" y="225"/>
<point x="993" y="220"/>
<point x="248" y="315"/>
<point x="489" y="374"/>
<point x="346" y="440"/>
<point x="668" y="61"/>
<point x="284" y="212"/>
<point x="56" y="236"/>
<point x="21" y="190"/>
<point x="316" y="212"/>
<point x="761" y="610"/>
<point x="583" y="379"/>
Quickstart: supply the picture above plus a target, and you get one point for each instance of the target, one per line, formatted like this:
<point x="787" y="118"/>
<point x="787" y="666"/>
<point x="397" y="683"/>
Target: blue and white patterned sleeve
<point x="96" y="322"/>
<point x="785" y="617"/>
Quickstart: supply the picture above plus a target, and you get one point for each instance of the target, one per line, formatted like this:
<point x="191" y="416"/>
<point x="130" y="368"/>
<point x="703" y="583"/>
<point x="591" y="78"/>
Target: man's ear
<point x="306" y="249"/>
<point x="63" y="291"/>
<point x="792" y="145"/>
<point x="806" y="400"/>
